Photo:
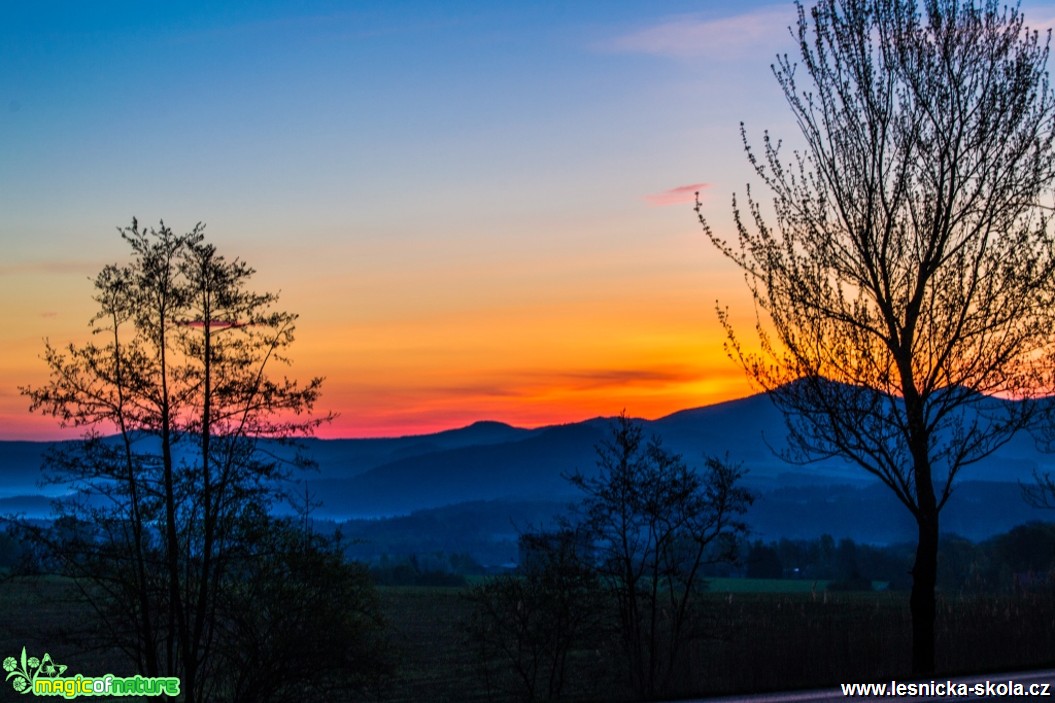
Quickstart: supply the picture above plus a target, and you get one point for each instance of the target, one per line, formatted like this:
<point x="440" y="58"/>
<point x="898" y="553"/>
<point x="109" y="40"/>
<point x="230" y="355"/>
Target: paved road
<point x="987" y="687"/>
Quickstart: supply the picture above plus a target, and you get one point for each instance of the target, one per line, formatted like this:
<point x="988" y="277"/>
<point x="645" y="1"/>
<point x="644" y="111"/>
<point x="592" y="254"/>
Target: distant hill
<point x="491" y="461"/>
<point x="530" y="467"/>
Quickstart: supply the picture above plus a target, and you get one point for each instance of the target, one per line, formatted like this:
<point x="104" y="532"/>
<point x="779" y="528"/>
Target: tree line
<point x="1020" y="560"/>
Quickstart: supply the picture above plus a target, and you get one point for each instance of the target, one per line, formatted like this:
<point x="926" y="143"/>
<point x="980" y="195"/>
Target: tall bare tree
<point x="183" y="378"/>
<point x="656" y="522"/>
<point x="904" y="273"/>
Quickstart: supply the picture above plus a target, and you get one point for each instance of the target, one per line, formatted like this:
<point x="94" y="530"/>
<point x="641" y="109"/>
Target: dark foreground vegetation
<point x="615" y="602"/>
<point x="900" y="260"/>
<point x="758" y="641"/>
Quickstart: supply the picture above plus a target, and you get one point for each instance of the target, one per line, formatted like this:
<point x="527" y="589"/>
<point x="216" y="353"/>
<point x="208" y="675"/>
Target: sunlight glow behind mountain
<point x="478" y="210"/>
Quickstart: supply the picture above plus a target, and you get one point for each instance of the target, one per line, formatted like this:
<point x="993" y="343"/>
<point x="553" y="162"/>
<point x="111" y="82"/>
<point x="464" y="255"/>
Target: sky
<point x="479" y="210"/>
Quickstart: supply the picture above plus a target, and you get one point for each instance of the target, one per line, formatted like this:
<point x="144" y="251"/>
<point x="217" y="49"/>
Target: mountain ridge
<point x="490" y="460"/>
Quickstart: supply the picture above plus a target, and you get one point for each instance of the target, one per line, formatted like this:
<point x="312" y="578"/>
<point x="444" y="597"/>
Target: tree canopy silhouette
<point x="183" y="413"/>
<point x="904" y="273"/>
<point x="655" y="522"/>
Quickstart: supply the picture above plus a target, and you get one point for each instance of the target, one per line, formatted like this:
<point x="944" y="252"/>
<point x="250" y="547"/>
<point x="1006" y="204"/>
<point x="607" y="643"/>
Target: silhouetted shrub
<point x="525" y="627"/>
<point x="300" y="624"/>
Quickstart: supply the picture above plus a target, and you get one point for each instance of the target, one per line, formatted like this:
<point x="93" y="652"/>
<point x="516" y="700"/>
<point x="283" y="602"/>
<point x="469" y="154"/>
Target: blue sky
<point x="265" y="111"/>
<point x="478" y="209"/>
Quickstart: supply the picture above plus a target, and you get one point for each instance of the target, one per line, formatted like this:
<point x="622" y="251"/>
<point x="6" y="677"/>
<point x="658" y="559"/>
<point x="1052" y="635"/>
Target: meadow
<point x="764" y="635"/>
<point x="767" y="635"/>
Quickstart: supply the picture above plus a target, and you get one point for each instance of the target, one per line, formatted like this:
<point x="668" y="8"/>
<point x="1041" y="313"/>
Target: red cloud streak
<point x="676" y="196"/>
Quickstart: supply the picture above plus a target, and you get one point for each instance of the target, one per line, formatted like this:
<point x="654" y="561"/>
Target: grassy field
<point x="432" y="660"/>
<point x="760" y="639"/>
<point x="41" y="614"/>
<point x="766" y="635"/>
<point x="792" y="641"/>
<point x="738" y="585"/>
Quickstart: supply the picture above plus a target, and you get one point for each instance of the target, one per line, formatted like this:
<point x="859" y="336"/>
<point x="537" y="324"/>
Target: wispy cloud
<point x="594" y="379"/>
<point x="676" y="196"/>
<point x="693" y="36"/>
<point x="489" y="390"/>
<point x="530" y="383"/>
<point x="765" y="29"/>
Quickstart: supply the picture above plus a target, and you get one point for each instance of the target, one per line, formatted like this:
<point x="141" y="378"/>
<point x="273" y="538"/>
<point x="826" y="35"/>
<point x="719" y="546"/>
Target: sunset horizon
<point x="477" y="213"/>
<point x="38" y="428"/>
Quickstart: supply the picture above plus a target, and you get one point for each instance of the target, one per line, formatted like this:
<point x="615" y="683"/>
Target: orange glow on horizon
<point x="529" y="338"/>
<point x="529" y="405"/>
<point x="386" y="393"/>
<point x="527" y="408"/>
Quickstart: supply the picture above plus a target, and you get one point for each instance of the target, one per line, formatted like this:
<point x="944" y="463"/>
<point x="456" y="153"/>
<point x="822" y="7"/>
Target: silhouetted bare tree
<point x="183" y="378"/>
<point x="904" y="276"/>
<point x="656" y="522"/>
<point x="526" y="626"/>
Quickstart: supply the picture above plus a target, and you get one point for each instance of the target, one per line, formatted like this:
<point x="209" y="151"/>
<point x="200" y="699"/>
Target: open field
<point x="761" y="640"/>
<point x="41" y="613"/>
<point x="742" y="585"/>
<point x="790" y="641"/>
<point x="432" y="660"/>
